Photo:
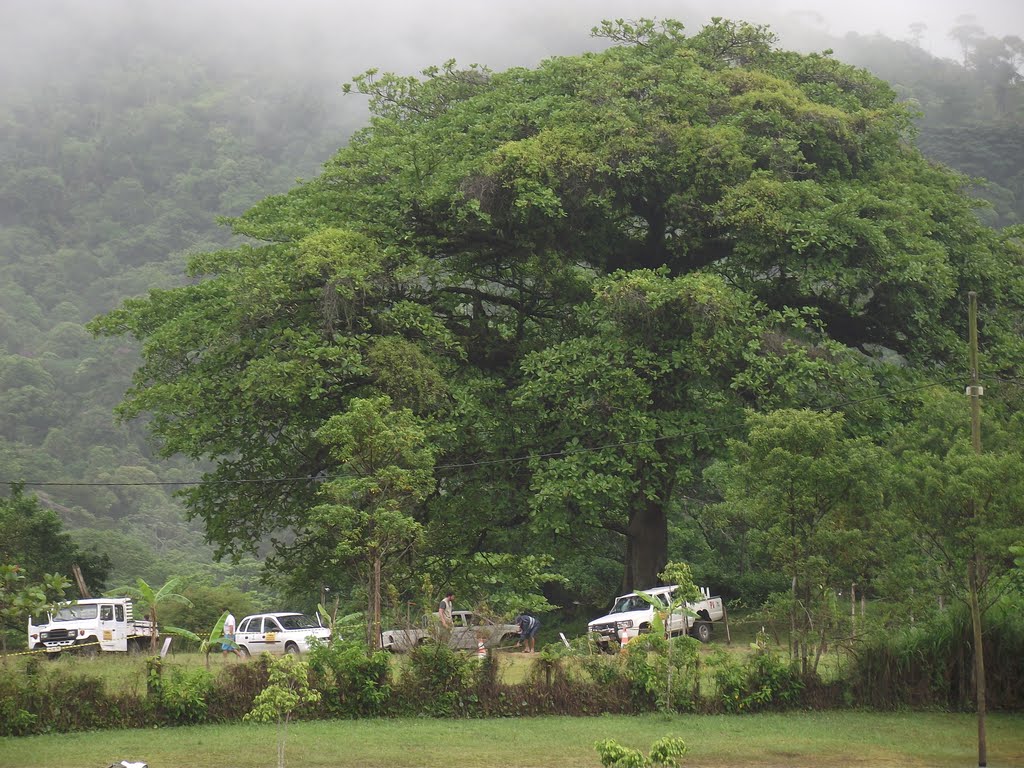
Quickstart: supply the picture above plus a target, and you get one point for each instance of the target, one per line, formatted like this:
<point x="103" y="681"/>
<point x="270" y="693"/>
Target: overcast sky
<point x="494" y="32"/>
<point x="330" y="41"/>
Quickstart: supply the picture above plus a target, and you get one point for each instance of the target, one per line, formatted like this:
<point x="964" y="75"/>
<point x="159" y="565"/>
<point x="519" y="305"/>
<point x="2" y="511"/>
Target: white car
<point x="278" y="633"/>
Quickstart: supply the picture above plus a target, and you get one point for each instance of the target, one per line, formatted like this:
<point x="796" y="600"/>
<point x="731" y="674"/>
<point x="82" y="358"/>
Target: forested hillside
<point x="116" y="164"/>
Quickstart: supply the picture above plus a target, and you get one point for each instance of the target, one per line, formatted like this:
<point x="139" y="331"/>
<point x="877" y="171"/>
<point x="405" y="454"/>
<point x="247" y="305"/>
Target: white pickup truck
<point x="634" y="615"/>
<point x="89" y="626"/>
<point x="468" y="630"/>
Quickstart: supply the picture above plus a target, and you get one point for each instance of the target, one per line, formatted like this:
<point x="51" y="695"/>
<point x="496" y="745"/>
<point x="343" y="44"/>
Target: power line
<point x="464" y="465"/>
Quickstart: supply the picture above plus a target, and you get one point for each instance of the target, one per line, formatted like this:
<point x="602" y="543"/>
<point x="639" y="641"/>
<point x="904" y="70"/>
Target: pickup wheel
<point x="88" y="647"/>
<point x="702" y="631"/>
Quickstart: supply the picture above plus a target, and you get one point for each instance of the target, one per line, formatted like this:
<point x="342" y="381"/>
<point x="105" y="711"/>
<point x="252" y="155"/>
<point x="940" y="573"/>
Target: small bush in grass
<point x="665" y="753"/>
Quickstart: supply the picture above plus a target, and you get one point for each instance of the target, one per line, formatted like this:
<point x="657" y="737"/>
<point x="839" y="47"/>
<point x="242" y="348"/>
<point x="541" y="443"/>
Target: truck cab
<point x="89" y="625"/>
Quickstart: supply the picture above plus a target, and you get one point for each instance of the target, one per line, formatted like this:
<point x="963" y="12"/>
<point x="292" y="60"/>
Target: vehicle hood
<point x="635" y="616"/>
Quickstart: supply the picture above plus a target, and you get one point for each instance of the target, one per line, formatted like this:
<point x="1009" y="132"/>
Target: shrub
<point x="184" y="696"/>
<point x="763" y="681"/>
<point x="353" y="683"/>
<point x="437" y="681"/>
<point x="665" y="753"/>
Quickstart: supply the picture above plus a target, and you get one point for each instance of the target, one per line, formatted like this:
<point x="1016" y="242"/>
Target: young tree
<point x="965" y="509"/>
<point x="385" y="471"/>
<point x="287" y="689"/>
<point x="810" y="492"/>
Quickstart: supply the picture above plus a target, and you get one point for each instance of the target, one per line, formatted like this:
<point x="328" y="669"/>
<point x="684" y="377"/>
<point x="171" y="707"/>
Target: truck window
<point x="106" y="613"/>
<point x="73" y="612"/>
<point x="119" y="613"/>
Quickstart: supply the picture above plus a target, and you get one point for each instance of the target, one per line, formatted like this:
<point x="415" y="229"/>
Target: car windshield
<point x="629" y="603"/>
<point x="75" y="612"/>
<point x="297" y="622"/>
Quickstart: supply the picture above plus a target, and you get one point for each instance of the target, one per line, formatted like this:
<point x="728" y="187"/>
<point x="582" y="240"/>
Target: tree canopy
<point x="573" y="279"/>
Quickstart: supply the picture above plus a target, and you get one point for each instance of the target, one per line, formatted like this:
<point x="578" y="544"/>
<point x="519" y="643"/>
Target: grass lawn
<point x="822" y="740"/>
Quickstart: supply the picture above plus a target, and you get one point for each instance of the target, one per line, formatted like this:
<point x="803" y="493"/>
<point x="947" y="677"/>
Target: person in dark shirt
<point x="528" y="626"/>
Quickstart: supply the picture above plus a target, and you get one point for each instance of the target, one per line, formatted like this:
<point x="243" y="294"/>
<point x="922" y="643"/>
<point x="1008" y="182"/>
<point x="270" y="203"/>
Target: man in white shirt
<point x="228" y="644"/>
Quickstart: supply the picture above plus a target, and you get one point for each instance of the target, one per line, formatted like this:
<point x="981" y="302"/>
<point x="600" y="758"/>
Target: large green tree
<point x="453" y="257"/>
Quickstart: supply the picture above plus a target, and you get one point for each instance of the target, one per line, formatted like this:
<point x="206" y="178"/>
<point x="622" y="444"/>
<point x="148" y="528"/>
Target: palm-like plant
<point x="149" y="599"/>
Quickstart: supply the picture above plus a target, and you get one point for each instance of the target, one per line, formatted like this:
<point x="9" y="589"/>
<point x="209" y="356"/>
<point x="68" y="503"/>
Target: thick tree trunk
<point x="646" y="547"/>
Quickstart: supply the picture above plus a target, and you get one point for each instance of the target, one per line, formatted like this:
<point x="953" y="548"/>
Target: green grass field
<point x="822" y="740"/>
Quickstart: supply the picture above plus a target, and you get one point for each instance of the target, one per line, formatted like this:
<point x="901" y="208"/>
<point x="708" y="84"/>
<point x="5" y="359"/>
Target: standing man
<point x="444" y="611"/>
<point x="528" y="626"/>
<point x="228" y="645"/>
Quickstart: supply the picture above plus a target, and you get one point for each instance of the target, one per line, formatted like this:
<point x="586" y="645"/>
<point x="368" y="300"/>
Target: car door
<point x="113" y="635"/>
<point x="273" y="635"/>
<point x="462" y="632"/>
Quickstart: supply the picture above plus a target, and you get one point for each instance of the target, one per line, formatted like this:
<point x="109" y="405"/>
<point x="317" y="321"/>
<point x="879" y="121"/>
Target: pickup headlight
<point x="627" y="624"/>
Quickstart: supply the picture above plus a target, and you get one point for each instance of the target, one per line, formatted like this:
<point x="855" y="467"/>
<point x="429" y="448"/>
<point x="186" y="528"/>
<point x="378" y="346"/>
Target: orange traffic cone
<point x="623" y="639"/>
<point x="481" y="650"/>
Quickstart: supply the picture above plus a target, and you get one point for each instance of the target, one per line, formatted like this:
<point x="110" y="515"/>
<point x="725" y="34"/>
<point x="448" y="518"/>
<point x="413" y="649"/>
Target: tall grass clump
<point x="930" y="664"/>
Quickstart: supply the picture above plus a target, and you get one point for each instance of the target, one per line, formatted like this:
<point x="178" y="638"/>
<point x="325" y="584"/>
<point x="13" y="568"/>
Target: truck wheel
<point x="88" y="648"/>
<point x="136" y="647"/>
<point x="702" y="631"/>
<point x="291" y="649"/>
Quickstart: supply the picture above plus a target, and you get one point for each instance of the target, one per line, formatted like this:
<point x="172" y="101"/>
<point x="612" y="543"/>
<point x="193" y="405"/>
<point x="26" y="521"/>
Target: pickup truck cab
<point x="278" y="633"/>
<point x="90" y="626"/>
<point x="469" y="629"/>
<point x="635" y="615"/>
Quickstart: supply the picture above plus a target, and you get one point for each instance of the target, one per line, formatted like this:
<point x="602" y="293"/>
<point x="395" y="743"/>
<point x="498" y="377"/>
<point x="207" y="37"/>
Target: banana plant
<point x="150" y="600"/>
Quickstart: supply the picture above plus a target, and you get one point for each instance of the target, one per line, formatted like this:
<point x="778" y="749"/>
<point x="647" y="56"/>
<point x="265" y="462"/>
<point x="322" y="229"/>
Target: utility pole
<point x="974" y="392"/>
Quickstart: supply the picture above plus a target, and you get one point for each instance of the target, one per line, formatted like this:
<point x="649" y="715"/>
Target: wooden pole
<point x="974" y="392"/>
<point x="83" y="590"/>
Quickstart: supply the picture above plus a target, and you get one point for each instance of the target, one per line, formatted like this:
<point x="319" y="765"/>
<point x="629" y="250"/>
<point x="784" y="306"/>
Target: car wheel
<point x="291" y="649"/>
<point x="702" y="631"/>
<point x="244" y="652"/>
